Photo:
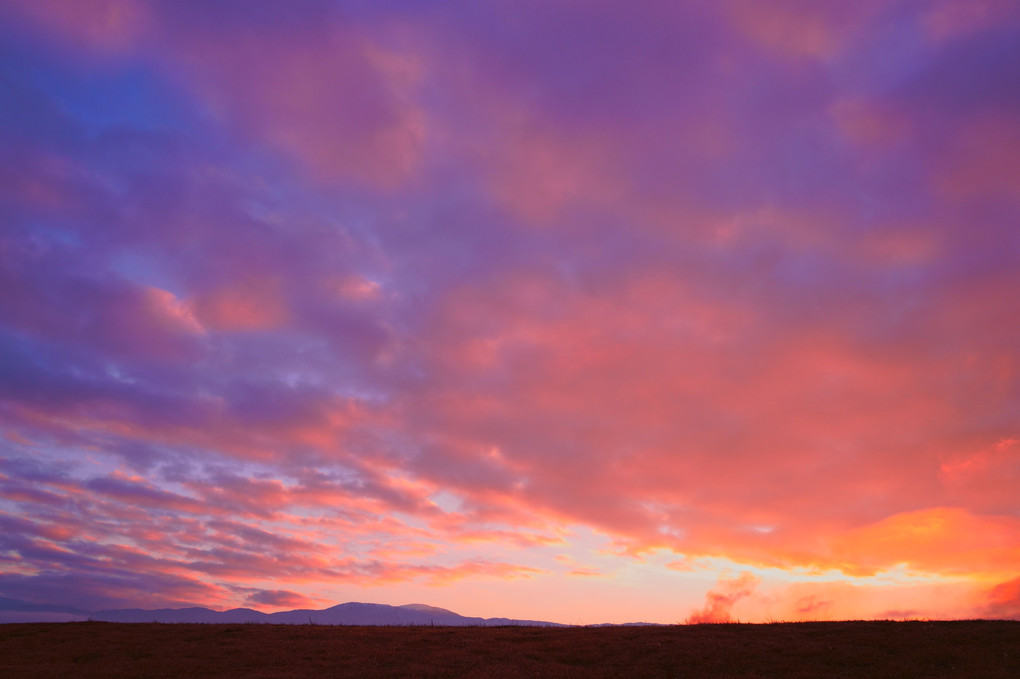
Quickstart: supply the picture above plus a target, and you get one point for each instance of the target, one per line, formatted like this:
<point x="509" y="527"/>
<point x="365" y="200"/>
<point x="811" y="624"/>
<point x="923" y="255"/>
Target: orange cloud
<point x="939" y="540"/>
<point x="851" y="600"/>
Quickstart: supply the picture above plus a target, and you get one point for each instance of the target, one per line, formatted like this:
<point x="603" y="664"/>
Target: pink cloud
<point x="983" y="161"/>
<point x="109" y="26"/>
<point x="173" y="312"/>
<point x="871" y="125"/>
<point x="948" y="19"/>
<point x="249" y="305"/>
<point x="341" y="105"/>
<point x="800" y="28"/>
<point x="809" y="389"/>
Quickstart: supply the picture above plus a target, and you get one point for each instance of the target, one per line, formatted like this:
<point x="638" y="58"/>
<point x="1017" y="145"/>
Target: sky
<point x="582" y="311"/>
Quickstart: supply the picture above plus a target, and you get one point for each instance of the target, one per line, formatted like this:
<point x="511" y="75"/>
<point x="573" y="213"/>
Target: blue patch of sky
<point x="97" y="95"/>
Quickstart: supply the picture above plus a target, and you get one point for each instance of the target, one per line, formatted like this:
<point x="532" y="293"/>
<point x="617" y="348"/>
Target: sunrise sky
<point x="582" y="311"/>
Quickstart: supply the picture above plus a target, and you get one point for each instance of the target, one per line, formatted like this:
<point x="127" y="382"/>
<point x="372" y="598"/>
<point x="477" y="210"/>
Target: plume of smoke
<point x="720" y="599"/>
<point x="1004" y="600"/>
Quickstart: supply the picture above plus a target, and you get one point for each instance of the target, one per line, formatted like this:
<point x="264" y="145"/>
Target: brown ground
<point x="823" y="649"/>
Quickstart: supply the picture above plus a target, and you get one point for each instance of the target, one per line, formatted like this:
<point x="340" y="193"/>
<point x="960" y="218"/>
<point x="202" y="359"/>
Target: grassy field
<point x="823" y="649"/>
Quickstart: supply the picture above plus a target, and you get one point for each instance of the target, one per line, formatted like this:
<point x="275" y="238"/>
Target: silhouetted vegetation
<point x="829" y="649"/>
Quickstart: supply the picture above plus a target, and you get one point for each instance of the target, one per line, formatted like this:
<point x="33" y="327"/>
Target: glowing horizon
<point x="550" y="310"/>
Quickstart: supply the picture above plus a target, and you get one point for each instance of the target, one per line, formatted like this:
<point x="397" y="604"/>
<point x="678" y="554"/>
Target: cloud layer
<point x="299" y="300"/>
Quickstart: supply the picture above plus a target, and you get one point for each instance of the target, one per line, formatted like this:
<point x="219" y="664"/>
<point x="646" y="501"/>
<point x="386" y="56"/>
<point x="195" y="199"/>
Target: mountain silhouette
<point x="353" y="613"/>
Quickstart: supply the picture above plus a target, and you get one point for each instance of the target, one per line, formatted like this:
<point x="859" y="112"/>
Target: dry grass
<point x="824" y="649"/>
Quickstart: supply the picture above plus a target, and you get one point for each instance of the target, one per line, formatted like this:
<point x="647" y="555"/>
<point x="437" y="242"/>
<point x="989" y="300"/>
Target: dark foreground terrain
<point x="823" y="649"/>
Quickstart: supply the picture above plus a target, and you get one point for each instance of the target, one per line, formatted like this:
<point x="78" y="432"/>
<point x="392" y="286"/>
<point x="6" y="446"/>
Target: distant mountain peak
<point x="425" y="608"/>
<point x="351" y="613"/>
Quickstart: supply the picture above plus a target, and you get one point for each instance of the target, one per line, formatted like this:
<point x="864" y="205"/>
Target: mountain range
<point x="15" y="610"/>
